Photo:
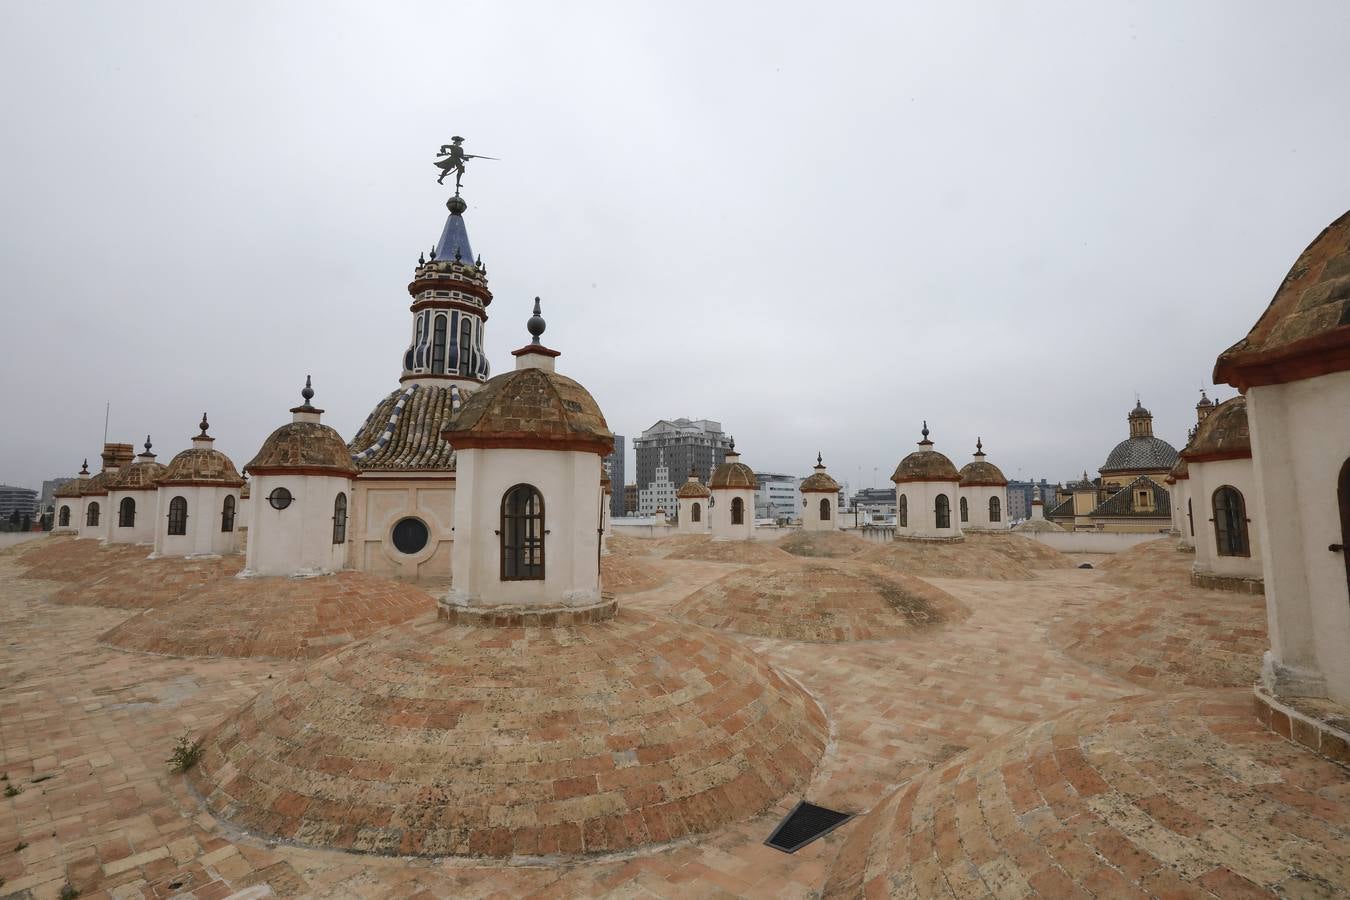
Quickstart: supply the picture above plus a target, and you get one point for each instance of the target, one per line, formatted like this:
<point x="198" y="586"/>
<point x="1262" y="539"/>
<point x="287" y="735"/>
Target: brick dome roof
<point x="436" y="739"/>
<point x="303" y="447"/>
<point x="97" y="485"/>
<point x="1305" y="331"/>
<point x="1140" y="454"/>
<point x="142" y="475"/>
<point x="70" y="489"/>
<point x="533" y="408"/>
<point x="925" y="465"/>
<point x="693" y="489"/>
<point x="1222" y="435"/>
<point x="201" y="465"/>
<point x="819" y="481"/>
<point x="980" y="473"/>
<point x="733" y="474"/>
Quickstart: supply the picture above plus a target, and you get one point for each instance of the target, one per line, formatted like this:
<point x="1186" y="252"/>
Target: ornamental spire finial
<point x="820" y="463"/>
<point x="147" y="445"/>
<point x="84" y="466"/>
<point x="925" y="442"/>
<point x="979" y="446"/>
<point x="307" y="391"/>
<point x="203" y="425"/>
<point x="536" y="324"/>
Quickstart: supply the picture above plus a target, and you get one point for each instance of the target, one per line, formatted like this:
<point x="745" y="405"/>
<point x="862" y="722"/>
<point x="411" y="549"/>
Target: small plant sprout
<point x="185" y="754"/>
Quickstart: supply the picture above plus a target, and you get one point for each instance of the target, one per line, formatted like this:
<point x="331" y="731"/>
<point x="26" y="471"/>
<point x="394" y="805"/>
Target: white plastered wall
<point x="977" y="499"/>
<point x="686" y="524"/>
<point x="1300" y="440"/>
<point x="722" y="529"/>
<point x="142" y="531"/>
<point x="1206" y="478"/>
<point x="297" y="540"/>
<point x="203" y="537"/>
<point x="922" y="501"/>
<point x="811" y="520"/>
<point x="99" y="531"/>
<point x="568" y="481"/>
<point x="380" y="503"/>
<point x="76" y="505"/>
<point x="1181" y="518"/>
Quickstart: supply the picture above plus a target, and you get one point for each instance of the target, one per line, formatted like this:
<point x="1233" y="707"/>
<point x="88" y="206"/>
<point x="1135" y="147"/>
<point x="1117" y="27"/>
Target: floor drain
<point x="803" y="825"/>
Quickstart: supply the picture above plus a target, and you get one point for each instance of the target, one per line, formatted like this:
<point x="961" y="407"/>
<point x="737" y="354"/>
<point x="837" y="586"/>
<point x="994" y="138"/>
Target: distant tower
<point x="820" y="500"/>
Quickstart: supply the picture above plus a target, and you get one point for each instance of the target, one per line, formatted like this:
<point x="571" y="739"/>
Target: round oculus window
<point x="280" y="498"/>
<point x="410" y="535"/>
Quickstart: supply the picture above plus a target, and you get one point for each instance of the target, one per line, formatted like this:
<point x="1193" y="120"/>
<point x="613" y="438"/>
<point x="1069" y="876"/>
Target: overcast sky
<point x="816" y="223"/>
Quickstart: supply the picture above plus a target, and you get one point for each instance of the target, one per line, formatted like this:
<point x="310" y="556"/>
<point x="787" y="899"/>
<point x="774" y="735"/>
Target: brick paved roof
<point x="444" y="740"/>
<point x="820" y="601"/>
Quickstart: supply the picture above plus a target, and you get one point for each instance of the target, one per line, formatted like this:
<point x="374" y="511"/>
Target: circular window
<point x="410" y="535"/>
<point x="280" y="498"/>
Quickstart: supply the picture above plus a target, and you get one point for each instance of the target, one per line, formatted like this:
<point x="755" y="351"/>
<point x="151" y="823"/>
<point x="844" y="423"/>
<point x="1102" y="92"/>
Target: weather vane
<point x="452" y="160"/>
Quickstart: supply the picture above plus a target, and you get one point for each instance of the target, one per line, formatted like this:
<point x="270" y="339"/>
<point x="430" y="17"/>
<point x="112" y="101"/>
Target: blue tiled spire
<point x="454" y="237"/>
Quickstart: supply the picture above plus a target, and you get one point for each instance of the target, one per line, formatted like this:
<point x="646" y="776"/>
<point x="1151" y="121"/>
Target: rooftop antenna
<point x="107" y="411"/>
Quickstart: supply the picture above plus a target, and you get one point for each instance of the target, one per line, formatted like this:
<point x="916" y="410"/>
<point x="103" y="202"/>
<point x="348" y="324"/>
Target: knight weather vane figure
<point x="452" y="160"/>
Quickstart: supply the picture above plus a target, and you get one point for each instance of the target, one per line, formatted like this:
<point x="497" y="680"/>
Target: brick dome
<point x="305" y="447"/>
<point x="70" y="488"/>
<point x="819" y="481"/>
<point x="436" y="739"/>
<point x="1223" y="434"/>
<point x="531" y="407"/>
<point x="820" y="601"/>
<point x="201" y="464"/>
<point x="142" y="475"/>
<point x="733" y="474"/>
<point x="96" y="485"/>
<point x="925" y="465"/>
<point x="693" y="489"/>
<point x="982" y="474"/>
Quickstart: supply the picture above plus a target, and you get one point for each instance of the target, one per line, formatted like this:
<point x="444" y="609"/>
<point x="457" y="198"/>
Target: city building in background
<point x="48" y="496"/>
<point x="777" y="497"/>
<point x="679" y="445"/>
<point x="659" y="493"/>
<point x="873" y="506"/>
<point x="1020" y="497"/>
<point x="615" y="466"/>
<point x="630" y="499"/>
<point x="20" y="500"/>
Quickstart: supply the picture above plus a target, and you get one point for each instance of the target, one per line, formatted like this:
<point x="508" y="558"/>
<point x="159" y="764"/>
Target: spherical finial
<point x="732" y="448"/>
<point x="84" y="466"/>
<point x="456" y="205"/>
<point x="536" y="323"/>
<point x="147" y="445"/>
<point x="819" y="459"/>
<point x="433" y="254"/>
<point x="979" y="446"/>
<point x="307" y="391"/>
<point x="925" y="429"/>
<point x="203" y="425"/>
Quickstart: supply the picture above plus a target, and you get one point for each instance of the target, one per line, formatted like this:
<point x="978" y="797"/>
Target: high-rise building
<point x="659" y="493"/>
<point x="630" y="499"/>
<point x="17" y="500"/>
<point x="1019" y="497"/>
<point x="615" y="466"/>
<point x="48" y="496"/>
<point x="777" y="496"/>
<point x="681" y="445"/>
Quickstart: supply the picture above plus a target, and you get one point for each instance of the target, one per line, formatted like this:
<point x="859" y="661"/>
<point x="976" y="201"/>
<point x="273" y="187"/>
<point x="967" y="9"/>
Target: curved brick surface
<point x="1187" y="796"/>
<point x="819" y="601"/>
<point x="628" y="575"/>
<point x="693" y="546"/>
<point x="945" y="559"/>
<point x="149" y="583"/>
<point x="1154" y="564"/>
<point x="497" y="742"/>
<point x="274" y="618"/>
<point x="823" y="544"/>
<point x="1022" y="550"/>
<point x="69" y="559"/>
<point x="1169" y="639"/>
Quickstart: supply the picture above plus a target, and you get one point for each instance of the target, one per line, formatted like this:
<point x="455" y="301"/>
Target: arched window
<point x="824" y="509"/>
<point x="340" y="518"/>
<point x="1230" y="522"/>
<point x="227" y="513"/>
<point x="438" y="345"/>
<point x="737" y="511"/>
<point x="465" y="345"/>
<point x="995" y="510"/>
<point x="126" y="513"/>
<point x="942" y="511"/>
<point x="64" y="518"/>
<point x="696" y="512"/>
<point x="965" y="510"/>
<point x="522" y="534"/>
<point x="902" y="512"/>
<point x="178" y="515"/>
<point x="91" y="514"/>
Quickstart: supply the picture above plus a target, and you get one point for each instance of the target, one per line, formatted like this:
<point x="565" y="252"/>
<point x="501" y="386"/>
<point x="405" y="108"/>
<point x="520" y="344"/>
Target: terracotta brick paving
<point x="937" y="559"/>
<point x="69" y="559"/>
<point x="148" y="583"/>
<point x="628" y="574"/>
<point x="823" y="544"/>
<point x="113" y="819"/>
<point x="839" y="600"/>
<point x="272" y="618"/>
<point x="1146" y="565"/>
<point x="693" y="546"/>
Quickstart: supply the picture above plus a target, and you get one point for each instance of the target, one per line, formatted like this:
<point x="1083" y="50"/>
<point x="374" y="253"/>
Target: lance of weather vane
<point x="452" y="159"/>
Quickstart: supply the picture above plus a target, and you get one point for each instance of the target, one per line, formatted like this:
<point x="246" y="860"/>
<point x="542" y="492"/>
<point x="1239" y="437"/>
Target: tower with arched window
<point x="927" y="489"/>
<point x="299" y="497"/>
<point x="1221" y="482"/>
<point x="131" y="500"/>
<point x="96" y="519"/>
<point x="69" y="499"/>
<point x="733" y="485"/>
<point x="984" y="494"/>
<point x="820" y="499"/>
<point x="402" y="509"/>
<point x="528" y="498"/>
<point x="191" y="497"/>
<point x="693" y="497"/>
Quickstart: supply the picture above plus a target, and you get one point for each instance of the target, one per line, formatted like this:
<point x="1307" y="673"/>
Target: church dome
<point x="1222" y="435"/>
<point x="531" y="408"/>
<point x="692" y="489"/>
<point x="733" y="474"/>
<point x="96" y="485"/>
<point x="981" y="473"/>
<point x="142" y="475"/>
<point x="819" y="481"/>
<point x="304" y="445"/>
<point x="201" y="464"/>
<point x="1138" y="453"/>
<point x="925" y="464"/>
<point x="1305" y="331"/>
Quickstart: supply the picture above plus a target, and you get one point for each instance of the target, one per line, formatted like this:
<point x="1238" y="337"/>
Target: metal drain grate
<point x="803" y="825"/>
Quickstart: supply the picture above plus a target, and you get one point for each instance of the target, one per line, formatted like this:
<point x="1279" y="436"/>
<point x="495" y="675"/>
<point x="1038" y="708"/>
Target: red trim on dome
<point x="333" y="471"/>
<point x="526" y="441"/>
